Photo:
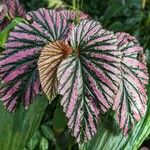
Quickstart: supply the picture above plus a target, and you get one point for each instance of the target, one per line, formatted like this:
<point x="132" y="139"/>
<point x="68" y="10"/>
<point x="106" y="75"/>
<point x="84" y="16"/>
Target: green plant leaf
<point x="59" y="120"/>
<point x="33" y="142"/>
<point x="106" y="139"/>
<point x="43" y="144"/>
<point x="4" y="33"/>
<point x="115" y="7"/>
<point x="56" y="3"/>
<point x="18" y="127"/>
<point x="116" y="26"/>
<point x="48" y="132"/>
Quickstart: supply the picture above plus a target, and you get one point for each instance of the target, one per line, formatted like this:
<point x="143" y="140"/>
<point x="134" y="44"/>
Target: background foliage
<point x="132" y="16"/>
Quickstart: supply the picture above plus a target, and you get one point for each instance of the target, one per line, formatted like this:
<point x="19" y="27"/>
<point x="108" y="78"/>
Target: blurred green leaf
<point x="43" y="144"/>
<point x="48" y="132"/>
<point x="144" y="3"/>
<point x="33" y="142"/>
<point x="56" y="3"/>
<point x="114" y="7"/>
<point x="129" y="2"/>
<point x="116" y="26"/>
<point x="18" y="127"/>
<point x="59" y="120"/>
<point x="4" y="33"/>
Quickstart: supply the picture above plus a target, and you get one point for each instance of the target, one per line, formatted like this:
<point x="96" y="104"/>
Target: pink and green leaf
<point x="130" y="102"/>
<point x="10" y="9"/>
<point x="15" y="9"/>
<point x="3" y="12"/>
<point x="71" y="15"/>
<point x="89" y="79"/>
<point x="18" y="64"/>
<point x="3" y="20"/>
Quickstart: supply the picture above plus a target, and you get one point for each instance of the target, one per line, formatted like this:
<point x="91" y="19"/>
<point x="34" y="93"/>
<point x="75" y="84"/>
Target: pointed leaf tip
<point x="89" y="79"/>
<point x="131" y="100"/>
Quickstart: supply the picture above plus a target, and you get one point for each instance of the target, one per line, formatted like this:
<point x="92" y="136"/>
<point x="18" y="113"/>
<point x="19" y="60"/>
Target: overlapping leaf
<point x="89" y="78"/>
<point x="3" y="12"/>
<point x="130" y="102"/>
<point x="18" y="64"/>
<point x="72" y="15"/>
<point x="4" y="23"/>
<point x="51" y="56"/>
<point x="15" y="9"/>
